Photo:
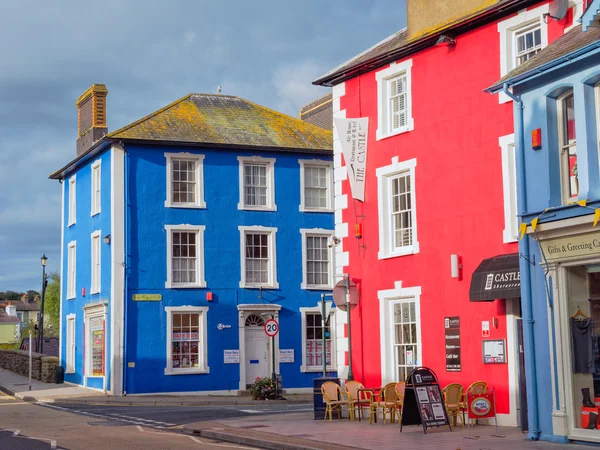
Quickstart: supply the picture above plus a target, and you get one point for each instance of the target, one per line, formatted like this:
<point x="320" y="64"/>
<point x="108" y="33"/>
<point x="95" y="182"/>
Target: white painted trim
<point x="96" y="167"/>
<point x="577" y="6"/>
<point x="202" y="357"/>
<point x="244" y="310"/>
<point x="512" y="418"/>
<point x="70" y="368"/>
<point x="270" y="164"/>
<point x="382" y="77"/>
<point x="387" y="298"/>
<point x="507" y="30"/>
<point x="384" y="175"/>
<point x="72" y="200"/>
<point x="293" y="391"/>
<point x="509" y="188"/>
<point x="95" y="288"/>
<point x="92" y="311"/>
<point x="305" y="232"/>
<point x="72" y="264"/>
<point x="271" y="232"/>
<point x="61" y="271"/>
<point x="199" y="160"/>
<point x="199" y="230"/>
<point x="329" y="194"/>
<point x="333" y="338"/>
<point x="231" y="392"/>
<point x="117" y="268"/>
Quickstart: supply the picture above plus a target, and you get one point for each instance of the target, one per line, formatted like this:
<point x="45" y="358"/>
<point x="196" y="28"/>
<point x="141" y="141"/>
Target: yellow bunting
<point x="582" y="202"/>
<point x="596" y="216"/>
<point x="534" y="223"/>
<point x="523" y="229"/>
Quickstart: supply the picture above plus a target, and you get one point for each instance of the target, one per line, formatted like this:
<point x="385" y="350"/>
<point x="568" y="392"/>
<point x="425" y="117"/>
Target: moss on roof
<point x="225" y="120"/>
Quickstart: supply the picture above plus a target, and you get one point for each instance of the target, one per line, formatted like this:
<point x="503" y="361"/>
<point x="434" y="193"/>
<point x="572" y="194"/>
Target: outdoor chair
<point x="400" y="399"/>
<point x="389" y="401"/>
<point x="333" y="396"/>
<point x="455" y="403"/>
<point x="357" y="398"/>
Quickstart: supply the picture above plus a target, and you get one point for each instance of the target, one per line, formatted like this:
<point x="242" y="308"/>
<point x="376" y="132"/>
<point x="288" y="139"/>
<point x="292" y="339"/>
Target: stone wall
<point x="43" y="368"/>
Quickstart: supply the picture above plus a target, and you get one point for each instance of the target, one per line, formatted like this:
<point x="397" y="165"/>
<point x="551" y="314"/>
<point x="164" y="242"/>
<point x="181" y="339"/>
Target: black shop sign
<point x="452" y="333"/>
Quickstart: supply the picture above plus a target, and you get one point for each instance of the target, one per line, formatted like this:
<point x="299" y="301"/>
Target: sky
<point x="148" y="53"/>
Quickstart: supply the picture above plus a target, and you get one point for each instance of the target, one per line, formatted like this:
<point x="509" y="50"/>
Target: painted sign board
<point x="353" y="135"/>
<point x="571" y="246"/>
<point x="286" y="355"/>
<point x="147" y="297"/>
<point x="485" y="328"/>
<point x="481" y="406"/>
<point x="494" y="352"/>
<point x="231" y="356"/>
<point x="452" y="335"/>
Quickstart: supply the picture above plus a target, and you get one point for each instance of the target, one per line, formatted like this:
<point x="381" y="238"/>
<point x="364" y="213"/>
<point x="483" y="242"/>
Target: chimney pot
<point x="91" y="117"/>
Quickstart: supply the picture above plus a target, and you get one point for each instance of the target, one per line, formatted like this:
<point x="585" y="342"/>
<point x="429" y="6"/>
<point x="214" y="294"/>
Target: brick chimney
<point x="25" y="298"/>
<point x="91" y="117"/>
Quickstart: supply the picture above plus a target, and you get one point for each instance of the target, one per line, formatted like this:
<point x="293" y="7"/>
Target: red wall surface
<point x="460" y="206"/>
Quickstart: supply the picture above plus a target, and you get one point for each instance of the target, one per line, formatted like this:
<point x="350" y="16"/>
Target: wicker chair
<point x="389" y="401"/>
<point x="400" y="399"/>
<point x="357" y="400"/>
<point x="455" y="403"/>
<point x="332" y="394"/>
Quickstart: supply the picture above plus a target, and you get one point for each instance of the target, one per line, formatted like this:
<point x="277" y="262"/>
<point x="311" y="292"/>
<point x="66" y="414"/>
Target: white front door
<point x="256" y="353"/>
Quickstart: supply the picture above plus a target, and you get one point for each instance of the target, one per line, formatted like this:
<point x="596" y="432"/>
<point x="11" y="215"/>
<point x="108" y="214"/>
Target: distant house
<point x="27" y="309"/>
<point x="9" y="323"/>
<point x="319" y="112"/>
<point x="182" y="234"/>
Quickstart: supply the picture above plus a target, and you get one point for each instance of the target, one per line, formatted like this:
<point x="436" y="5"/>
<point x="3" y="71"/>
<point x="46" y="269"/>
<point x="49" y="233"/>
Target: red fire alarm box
<point x="536" y="139"/>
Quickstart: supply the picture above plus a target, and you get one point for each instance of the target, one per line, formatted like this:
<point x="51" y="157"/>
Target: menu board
<point x="431" y="405"/>
<point x="97" y="337"/>
<point x="452" y="335"/>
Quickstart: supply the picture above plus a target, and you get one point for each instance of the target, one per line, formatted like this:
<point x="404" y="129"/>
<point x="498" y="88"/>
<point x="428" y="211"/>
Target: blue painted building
<point x="182" y="234"/>
<point x="557" y="117"/>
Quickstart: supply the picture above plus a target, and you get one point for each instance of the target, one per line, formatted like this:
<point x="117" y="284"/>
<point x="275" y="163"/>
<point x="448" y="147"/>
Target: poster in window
<point x="97" y="337"/>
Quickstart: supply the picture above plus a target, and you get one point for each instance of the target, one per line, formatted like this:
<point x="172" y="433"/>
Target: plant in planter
<point x="263" y="388"/>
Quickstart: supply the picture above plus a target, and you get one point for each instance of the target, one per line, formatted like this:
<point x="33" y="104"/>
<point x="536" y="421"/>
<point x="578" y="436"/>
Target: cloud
<point x="293" y="86"/>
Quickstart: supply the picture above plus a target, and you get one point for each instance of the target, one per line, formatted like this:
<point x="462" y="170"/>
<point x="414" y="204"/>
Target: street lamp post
<point x="44" y="282"/>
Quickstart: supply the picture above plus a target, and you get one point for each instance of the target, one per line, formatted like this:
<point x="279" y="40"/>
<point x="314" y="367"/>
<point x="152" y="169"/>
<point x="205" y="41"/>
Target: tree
<point x="52" y="303"/>
<point x="31" y="294"/>
<point x="11" y="295"/>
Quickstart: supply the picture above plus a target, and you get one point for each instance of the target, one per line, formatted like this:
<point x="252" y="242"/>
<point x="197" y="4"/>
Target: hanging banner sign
<point x="353" y="134"/>
<point x="452" y="333"/>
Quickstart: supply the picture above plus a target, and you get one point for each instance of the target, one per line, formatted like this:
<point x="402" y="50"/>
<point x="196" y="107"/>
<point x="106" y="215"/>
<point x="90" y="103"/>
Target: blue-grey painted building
<point x="557" y="115"/>
<point x="183" y="233"/>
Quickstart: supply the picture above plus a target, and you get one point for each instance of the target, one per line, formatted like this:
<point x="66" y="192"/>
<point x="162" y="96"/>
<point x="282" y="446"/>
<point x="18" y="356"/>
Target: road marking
<point x="101" y="416"/>
<point x="16" y="433"/>
<point x="252" y="411"/>
<point x="6" y="395"/>
<point x="145" y="420"/>
<point x="193" y="438"/>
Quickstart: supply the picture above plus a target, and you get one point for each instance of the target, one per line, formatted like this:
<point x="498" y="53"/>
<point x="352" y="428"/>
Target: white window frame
<point x="70" y="343"/>
<point x="387" y="299"/>
<point x="270" y="164"/>
<point x="565" y="181"/>
<point x="200" y="280"/>
<point x="199" y="169"/>
<point x="96" y="256"/>
<point x="509" y="28"/>
<point x="96" y="186"/>
<point x="383" y="78"/>
<point x="271" y="232"/>
<point x="329" y="176"/>
<point x="72" y="200"/>
<point x="597" y="109"/>
<point x="509" y="188"/>
<point x="72" y="270"/>
<point x="384" y="176"/>
<point x="332" y="326"/>
<point x="20" y="315"/>
<point x="319" y="232"/>
<point x="94" y="312"/>
<point x="202" y="346"/>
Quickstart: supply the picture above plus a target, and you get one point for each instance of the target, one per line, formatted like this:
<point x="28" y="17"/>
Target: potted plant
<point x="263" y="388"/>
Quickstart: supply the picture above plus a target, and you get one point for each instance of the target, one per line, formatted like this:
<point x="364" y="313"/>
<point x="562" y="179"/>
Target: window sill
<point x="412" y="250"/>
<point x="317" y="369"/>
<point x="94" y="376"/>
<point x="71" y="224"/>
<point x="316" y="210"/>
<point x="97" y="291"/>
<point x="200" y="285"/>
<point x="381" y="135"/>
<point x="200" y="205"/>
<point x="259" y="286"/>
<point x="95" y="213"/>
<point x="316" y="287"/>
<point x="256" y="208"/>
<point x="190" y="371"/>
<point x="71" y="297"/>
<point x="69" y="371"/>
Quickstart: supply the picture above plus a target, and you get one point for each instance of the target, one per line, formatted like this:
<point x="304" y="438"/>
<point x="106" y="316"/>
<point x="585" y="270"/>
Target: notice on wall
<point x="494" y="352"/>
<point x="231" y="356"/>
<point x="286" y="355"/>
<point x="452" y="333"/>
<point x="353" y="134"/>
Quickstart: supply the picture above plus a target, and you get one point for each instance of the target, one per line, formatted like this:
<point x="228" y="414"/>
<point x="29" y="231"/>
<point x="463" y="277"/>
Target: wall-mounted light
<point x="358" y="230"/>
<point x="107" y="239"/>
<point x="446" y="39"/>
<point x="536" y="139"/>
<point x="209" y="296"/>
<point x="456" y="266"/>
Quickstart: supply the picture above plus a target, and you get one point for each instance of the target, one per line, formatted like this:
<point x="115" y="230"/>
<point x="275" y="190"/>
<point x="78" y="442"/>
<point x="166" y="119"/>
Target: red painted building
<point x="440" y="181"/>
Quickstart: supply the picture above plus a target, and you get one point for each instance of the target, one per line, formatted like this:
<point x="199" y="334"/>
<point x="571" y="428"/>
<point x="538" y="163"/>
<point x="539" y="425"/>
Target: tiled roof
<point x="226" y="120"/>
<point x="575" y="39"/>
<point x="21" y="306"/>
<point x="5" y="318"/>
<point x="399" y="45"/>
<point x="319" y="112"/>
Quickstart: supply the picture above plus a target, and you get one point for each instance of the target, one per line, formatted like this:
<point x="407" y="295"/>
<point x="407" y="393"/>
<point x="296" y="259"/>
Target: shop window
<point x="186" y="340"/>
<point x="568" y="147"/>
<point x="95" y="344"/>
<point x="312" y="341"/>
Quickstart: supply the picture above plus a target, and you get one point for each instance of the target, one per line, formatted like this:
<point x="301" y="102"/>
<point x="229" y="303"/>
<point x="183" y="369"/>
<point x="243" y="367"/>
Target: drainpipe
<point x="125" y="266"/>
<point x="534" y="432"/>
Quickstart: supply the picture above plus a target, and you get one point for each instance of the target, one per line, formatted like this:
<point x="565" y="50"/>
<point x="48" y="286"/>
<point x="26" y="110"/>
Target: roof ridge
<point x="149" y="116"/>
<point x="204" y="94"/>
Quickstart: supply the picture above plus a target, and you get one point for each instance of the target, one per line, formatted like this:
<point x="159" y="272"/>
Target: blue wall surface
<point x="147" y="272"/>
<point x="80" y="232"/>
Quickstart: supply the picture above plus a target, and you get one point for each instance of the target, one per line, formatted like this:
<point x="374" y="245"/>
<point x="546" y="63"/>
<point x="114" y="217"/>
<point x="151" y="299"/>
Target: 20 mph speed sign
<point x="271" y="327"/>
